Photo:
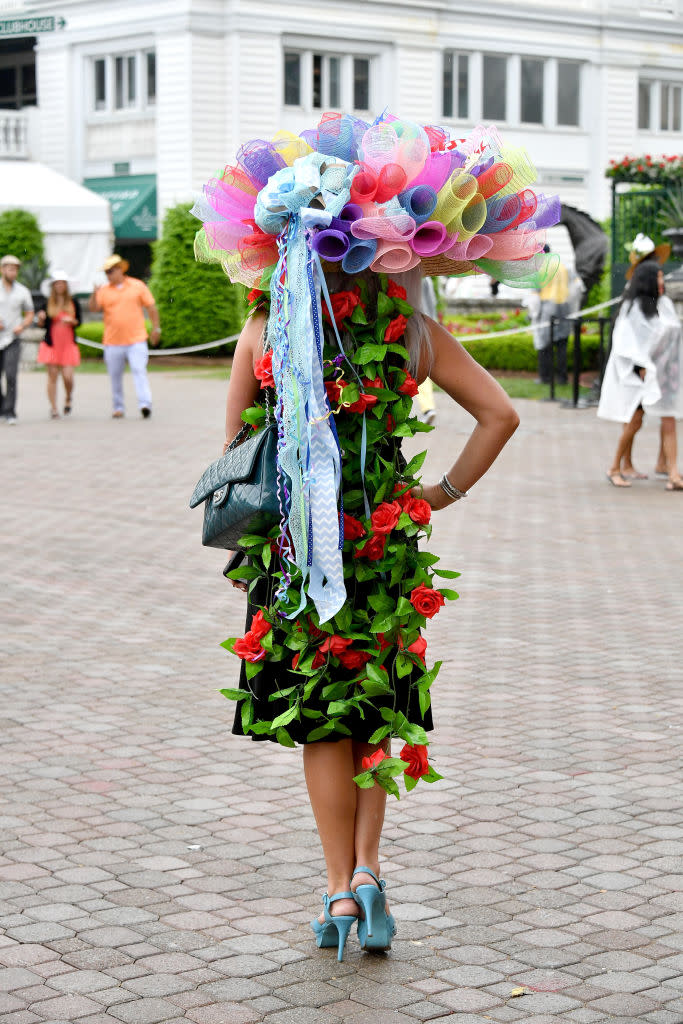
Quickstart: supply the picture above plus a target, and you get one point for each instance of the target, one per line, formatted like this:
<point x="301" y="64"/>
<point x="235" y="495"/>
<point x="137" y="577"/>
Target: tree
<point x="20" y="236"/>
<point x="196" y="301"/>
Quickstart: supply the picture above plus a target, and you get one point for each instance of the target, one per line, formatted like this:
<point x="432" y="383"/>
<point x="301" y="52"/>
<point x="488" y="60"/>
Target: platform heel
<point x="376" y="927"/>
<point x="335" y="930"/>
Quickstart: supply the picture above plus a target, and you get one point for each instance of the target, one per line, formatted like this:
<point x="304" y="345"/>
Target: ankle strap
<point x="363" y="870"/>
<point x="339" y="896"/>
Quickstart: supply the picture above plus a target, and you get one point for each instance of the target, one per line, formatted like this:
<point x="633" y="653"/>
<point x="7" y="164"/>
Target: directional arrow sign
<point x="29" y="26"/>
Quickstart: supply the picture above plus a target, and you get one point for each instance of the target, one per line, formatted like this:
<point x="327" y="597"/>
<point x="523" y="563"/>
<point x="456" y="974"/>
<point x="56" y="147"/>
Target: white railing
<point x="14" y="135"/>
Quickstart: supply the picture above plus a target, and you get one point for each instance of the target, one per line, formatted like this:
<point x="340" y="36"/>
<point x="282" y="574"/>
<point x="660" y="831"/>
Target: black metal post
<point x="553" y="322"/>
<point x="577" y="361"/>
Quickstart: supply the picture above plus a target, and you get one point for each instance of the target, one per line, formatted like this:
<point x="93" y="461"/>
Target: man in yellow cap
<point x="124" y="301"/>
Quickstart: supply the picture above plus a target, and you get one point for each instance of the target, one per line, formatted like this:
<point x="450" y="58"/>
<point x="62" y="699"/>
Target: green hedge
<point x="196" y="301"/>
<point x="513" y="354"/>
<point x="518" y="352"/>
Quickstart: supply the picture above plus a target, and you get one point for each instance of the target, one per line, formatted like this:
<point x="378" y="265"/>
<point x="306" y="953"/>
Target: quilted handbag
<point x="239" y="490"/>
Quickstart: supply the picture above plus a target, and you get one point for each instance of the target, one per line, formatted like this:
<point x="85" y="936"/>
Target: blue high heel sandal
<point x="377" y="927"/>
<point x="335" y="930"/>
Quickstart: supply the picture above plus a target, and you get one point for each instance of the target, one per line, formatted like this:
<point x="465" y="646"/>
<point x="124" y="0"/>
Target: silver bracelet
<point x="450" y="490"/>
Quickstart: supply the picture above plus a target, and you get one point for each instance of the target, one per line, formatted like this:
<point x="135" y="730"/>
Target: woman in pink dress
<point x="59" y="351"/>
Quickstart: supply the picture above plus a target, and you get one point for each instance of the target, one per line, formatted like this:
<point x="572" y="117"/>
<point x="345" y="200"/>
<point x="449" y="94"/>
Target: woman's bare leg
<point x="68" y="378"/>
<point x="670" y="446"/>
<point x="627" y="466"/>
<point x="370" y="808"/>
<point x="625" y="443"/>
<point x="52" y="377"/>
<point x="329" y="770"/>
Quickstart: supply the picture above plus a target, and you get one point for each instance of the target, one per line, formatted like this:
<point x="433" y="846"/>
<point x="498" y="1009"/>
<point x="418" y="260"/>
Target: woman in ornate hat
<point x="334" y="230"/>
<point x="59" y="351"/>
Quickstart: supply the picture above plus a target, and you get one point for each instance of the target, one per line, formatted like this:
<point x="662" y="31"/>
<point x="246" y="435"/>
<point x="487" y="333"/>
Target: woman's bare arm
<point x="243" y="388"/>
<point x="472" y="387"/>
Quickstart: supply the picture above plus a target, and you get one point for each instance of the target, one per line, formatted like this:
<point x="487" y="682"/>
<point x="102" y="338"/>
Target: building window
<point x="292" y="79"/>
<point x="125" y="78"/>
<point x="531" y="91"/>
<point x="327" y="81"/>
<point x="326" y="85"/>
<point x="568" y="93"/>
<point x="361" y="83"/>
<point x="456" y="85"/>
<point x="494" y="107"/>
<point x="100" y="92"/>
<point x="670" y="107"/>
<point x="151" y="61"/>
<point x="124" y="81"/>
<point x="644" y="105"/>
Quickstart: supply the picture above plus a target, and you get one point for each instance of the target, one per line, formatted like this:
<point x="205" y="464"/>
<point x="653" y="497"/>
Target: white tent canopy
<point x="75" y="221"/>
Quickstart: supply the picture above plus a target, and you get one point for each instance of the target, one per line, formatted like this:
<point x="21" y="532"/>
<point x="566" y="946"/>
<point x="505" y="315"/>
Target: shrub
<point x="518" y="353"/>
<point x="20" y="236"/>
<point x="196" y="301"/>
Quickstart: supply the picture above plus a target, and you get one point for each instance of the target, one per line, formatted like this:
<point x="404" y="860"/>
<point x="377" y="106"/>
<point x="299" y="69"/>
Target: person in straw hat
<point x="335" y="229"/>
<point x="16" y="313"/>
<point x="124" y="301"/>
<point x="59" y="351"/>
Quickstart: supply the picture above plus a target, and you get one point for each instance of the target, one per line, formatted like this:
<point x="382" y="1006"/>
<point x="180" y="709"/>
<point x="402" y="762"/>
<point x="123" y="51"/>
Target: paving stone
<point x="17" y="977"/>
<point x="70" y="1007"/>
<point x="145" y="1011"/>
<point x="139" y="881"/>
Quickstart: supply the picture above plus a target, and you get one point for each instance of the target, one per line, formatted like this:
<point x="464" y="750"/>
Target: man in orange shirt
<point x="124" y="301"/>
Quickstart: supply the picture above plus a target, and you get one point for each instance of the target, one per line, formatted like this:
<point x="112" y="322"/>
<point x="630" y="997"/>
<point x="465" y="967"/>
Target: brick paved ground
<point x="153" y="868"/>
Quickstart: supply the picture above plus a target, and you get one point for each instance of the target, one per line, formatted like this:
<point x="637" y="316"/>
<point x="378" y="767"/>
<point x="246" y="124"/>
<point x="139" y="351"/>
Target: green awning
<point x="133" y="199"/>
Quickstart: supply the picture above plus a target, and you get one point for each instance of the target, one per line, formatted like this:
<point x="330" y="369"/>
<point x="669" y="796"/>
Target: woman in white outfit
<point x="643" y="373"/>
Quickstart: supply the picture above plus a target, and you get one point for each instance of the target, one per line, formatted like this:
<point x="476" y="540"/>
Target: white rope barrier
<point x="534" y="326"/>
<point x="167" y="351"/>
<point x="459" y="337"/>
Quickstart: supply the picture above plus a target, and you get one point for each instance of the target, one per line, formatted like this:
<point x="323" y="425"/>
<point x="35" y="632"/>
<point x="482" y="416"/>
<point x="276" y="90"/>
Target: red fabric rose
<point x="249" y="648"/>
<point x="426" y="601"/>
<point x="418" y="647"/>
<point x="396" y="291"/>
<point x="385" y="517"/>
<point x="383" y="643"/>
<point x="353" y="528"/>
<point x="374" y="761"/>
<point x="263" y="369"/>
<point x="259" y="625"/>
<point x="373" y="549"/>
<point x="409" y="386"/>
<point x="343" y="305"/>
<point x="403" y="499"/>
<point x="354" y="659"/>
<point x="416" y="759"/>
<point x="314" y="632"/>
<point x="396" y="329"/>
<point x="254" y="294"/>
<point x="419" y="510"/>
<point x="336" y="645"/>
<point x="318" y="660"/>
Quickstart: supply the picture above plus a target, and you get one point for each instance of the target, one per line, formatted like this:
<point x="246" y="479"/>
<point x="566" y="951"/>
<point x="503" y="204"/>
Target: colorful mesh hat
<point x="385" y="197"/>
<point x="388" y="196"/>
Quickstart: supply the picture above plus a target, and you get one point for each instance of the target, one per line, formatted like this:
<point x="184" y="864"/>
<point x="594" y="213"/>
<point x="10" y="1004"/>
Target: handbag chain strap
<point x="240" y="436"/>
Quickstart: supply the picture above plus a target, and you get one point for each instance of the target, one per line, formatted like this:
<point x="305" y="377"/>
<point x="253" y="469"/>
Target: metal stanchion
<point x="553" y="324"/>
<point x="577" y="362"/>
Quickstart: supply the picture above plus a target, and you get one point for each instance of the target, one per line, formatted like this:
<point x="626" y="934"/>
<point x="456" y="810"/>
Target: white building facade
<point x="157" y="95"/>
